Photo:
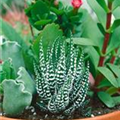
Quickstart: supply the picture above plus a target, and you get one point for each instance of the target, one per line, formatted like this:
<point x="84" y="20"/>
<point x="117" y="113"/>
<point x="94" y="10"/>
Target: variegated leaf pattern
<point x="61" y="78"/>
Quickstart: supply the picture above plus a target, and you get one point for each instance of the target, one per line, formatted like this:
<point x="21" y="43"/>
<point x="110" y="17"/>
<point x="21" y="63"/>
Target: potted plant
<point x="50" y="75"/>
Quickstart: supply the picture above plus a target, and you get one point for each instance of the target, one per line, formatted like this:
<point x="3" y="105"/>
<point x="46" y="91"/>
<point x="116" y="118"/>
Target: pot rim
<point x="109" y="116"/>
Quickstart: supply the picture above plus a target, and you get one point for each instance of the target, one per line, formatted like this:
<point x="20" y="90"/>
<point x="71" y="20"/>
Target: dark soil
<point x="98" y="108"/>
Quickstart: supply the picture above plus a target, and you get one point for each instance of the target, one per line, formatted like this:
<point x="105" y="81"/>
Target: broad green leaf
<point x="52" y="17"/>
<point x="117" y="100"/>
<point x="17" y="93"/>
<point x="118" y="80"/>
<point x="115" y="69"/>
<point x="93" y="54"/>
<point x="114" y="40"/>
<point x="42" y="22"/>
<point x="39" y="9"/>
<point x="82" y="41"/>
<point x="116" y="13"/>
<point x="11" y="34"/>
<point x="56" y="11"/>
<point x="29" y="58"/>
<point x="104" y="83"/>
<point x="103" y="5"/>
<point x="98" y="11"/>
<point x="16" y="99"/>
<point x="76" y="18"/>
<point x="114" y="25"/>
<point x="88" y="26"/>
<point x="13" y="50"/>
<point x="109" y="75"/>
<point x="26" y="79"/>
<point x="112" y="90"/>
<point x="8" y="69"/>
<point x="48" y="34"/>
<point x="116" y="4"/>
<point x="106" y="99"/>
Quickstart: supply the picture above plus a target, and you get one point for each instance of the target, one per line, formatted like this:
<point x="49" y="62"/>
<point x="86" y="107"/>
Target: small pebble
<point x="33" y="110"/>
<point x="34" y="113"/>
<point x="92" y="115"/>
<point x="99" y="113"/>
<point x="46" y="115"/>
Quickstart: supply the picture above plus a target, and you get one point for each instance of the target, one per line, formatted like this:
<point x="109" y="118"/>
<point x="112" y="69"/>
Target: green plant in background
<point x="61" y="79"/>
<point x="104" y="56"/>
<point x="43" y="12"/>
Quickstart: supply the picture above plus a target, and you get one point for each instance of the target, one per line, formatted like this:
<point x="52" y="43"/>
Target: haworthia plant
<point x="61" y="78"/>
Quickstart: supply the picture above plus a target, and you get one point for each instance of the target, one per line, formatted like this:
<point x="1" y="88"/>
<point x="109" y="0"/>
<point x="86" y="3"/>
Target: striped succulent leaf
<point x="61" y="79"/>
<point x="61" y="68"/>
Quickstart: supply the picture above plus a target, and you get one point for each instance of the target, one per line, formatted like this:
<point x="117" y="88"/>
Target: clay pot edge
<point x="110" y="116"/>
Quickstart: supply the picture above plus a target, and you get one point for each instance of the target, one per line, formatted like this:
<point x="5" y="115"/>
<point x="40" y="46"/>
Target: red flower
<point x="76" y="3"/>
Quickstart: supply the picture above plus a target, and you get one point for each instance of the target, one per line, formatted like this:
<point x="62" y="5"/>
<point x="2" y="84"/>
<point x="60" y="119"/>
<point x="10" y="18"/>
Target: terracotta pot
<point x="110" y="116"/>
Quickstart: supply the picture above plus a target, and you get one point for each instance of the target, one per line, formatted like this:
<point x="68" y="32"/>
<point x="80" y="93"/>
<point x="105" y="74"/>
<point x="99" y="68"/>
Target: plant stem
<point x="105" y="44"/>
<point x="107" y="35"/>
<point x="31" y="29"/>
<point x="113" y="57"/>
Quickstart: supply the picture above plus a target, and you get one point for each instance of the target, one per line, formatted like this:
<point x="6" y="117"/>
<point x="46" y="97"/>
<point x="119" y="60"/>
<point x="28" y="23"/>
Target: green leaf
<point x="103" y="5"/>
<point x="39" y="9"/>
<point x="11" y="34"/>
<point x="2" y="76"/>
<point x="98" y="11"/>
<point x="110" y="0"/>
<point x="101" y="28"/>
<point x="109" y="75"/>
<point x="118" y="80"/>
<point x="112" y="90"/>
<point x="82" y="41"/>
<point x="76" y="18"/>
<point x="116" y="13"/>
<point x="114" y="40"/>
<point x="1" y="89"/>
<point x="88" y="26"/>
<point x="116" y="4"/>
<point x="114" y="25"/>
<point x="117" y="100"/>
<point x="42" y="22"/>
<point x="104" y="83"/>
<point x="29" y="58"/>
<point x="106" y="99"/>
<point x="93" y="54"/>
<point x="48" y="34"/>
<point x="56" y="11"/>
<point x="25" y="78"/>
<point x="16" y="99"/>
<point x="115" y="69"/>
<point x="13" y="50"/>
<point x="8" y="70"/>
<point x="17" y="93"/>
